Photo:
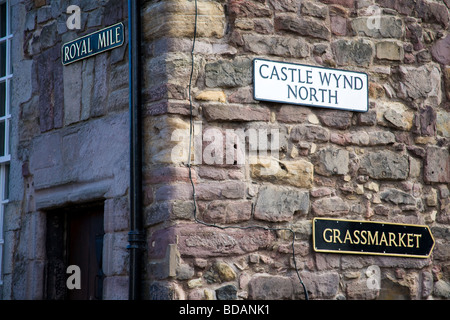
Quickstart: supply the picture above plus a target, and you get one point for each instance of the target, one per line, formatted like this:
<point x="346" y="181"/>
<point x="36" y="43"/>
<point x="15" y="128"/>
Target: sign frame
<point x="310" y="67"/>
<point x="396" y="225"/>
<point x="91" y="35"/>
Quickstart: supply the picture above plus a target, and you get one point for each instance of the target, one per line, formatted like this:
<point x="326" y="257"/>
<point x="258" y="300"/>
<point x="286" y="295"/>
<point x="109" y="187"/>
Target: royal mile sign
<point x="92" y="44"/>
<point x="370" y="237"/>
<point x="310" y="86"/>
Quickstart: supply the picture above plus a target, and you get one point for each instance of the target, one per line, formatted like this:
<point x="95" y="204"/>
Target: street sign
<point x="370" y="237"/>
<point x="310" y="86"/>
<point x="92" y="44"/>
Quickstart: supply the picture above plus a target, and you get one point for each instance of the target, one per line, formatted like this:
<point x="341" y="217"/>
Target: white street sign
<point x="310" y="86"/>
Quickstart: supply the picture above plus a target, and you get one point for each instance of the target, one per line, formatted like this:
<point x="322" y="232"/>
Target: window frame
<point x="6" y="158"/>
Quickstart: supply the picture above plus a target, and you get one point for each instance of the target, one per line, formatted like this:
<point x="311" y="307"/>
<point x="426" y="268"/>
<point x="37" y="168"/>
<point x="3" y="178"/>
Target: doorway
<point x="75" y="237"/>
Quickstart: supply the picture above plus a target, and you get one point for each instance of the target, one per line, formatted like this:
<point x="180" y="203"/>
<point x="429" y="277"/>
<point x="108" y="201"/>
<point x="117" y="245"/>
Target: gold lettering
<point x="392" y="239"/>
<point x="347" y="236"/>
<point x="401" y="243"/>
<point x="410" y="240"/>
<point x="330" y="239"/>
<point x="356" y="235"/>
<point x="363" y="236"/>
<point x="336" y="235"/>
<point x="372" y="240"/>
<point x="417" y="239"/>
<point x="383" y="239"/>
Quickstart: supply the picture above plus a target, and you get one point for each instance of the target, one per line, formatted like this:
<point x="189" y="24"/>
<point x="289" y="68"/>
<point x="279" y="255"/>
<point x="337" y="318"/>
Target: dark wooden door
<point x="84" y="249"/>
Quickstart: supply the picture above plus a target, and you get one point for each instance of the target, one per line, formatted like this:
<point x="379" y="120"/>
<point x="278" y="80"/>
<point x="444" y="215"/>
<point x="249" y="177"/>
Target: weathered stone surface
<point x="242" y="95"/>
<point x="204" y="242"/>
<point x="210" y="95"/>
<point x="390" y="27"/>
<point x="420" y="82"/>
<point x="321" y="285"/>
<point x="349" y="52"/>
<point x="402" y="6"/>
<point x="267" y="287"/>
<point x="394" y="114"/>
<point x="399" y="117"/>
<point x="309" y="132"/>
<point x="286" y="5"/>
<point x="390" y="50"/>
<point x="442" y="289"/>
<point x="335" y="119"/>
<point x="228" y="211"/>
<point x="432" y="12"/>
<point x="380" y="138"/>
<point x="385" y="165"/>
<point x="225" y="272"/>
<point x="233" y="112"/>
<point x="276" y="45"/>
<point x="339" y="25"/>
<point x="175" y="19"/>
<point x="441" y="50"/>
<point x="443" y="123"/>
<point x="332" y="207"/>
<point x="228" y="292"/>
<point x="51" y="91"/>
<point x="314" y="9"/>
<point x="304" y="26"/>
<point x="297" y="173"/>
<point x="57" y="157"/>
<point x="437" y="165"/>
<point x="344" y="3"/>
<point x="426" y="121"/>
<point x="249" y="9"/>
<point x="226" y="73"/>
<point x="397" y="197"/>
<point x="358" y="290"/>
<point x="280" y="203"/>
<point x="289" y="113"/>
<point x="427" y="283"/>
<point x="166" y="139"/>
<point x="330" y="161"/>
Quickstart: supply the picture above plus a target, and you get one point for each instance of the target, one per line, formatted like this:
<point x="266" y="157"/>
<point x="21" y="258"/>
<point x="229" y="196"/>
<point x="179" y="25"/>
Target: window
<point x="5" y="116"/>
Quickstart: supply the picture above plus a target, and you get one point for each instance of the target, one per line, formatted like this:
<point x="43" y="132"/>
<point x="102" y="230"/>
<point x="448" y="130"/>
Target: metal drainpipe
<point x="136" y="236"/>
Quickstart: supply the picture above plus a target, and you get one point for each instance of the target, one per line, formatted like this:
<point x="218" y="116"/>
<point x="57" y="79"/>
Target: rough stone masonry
<point x="392" y="163"/>
<point x="389" y="164"/>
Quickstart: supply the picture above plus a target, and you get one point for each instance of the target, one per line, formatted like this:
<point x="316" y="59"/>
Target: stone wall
<point x="69" y="140"/>
<point x="389" y="164"/>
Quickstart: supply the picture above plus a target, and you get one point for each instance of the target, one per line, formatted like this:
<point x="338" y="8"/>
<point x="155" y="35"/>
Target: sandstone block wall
<point x="69" y="140"/>
<point x="390" y="164"/>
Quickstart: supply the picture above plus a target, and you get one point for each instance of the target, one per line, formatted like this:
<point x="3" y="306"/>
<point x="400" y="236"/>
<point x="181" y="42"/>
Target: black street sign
<point x="92" y="44"/>
<point x="369" y="237"/>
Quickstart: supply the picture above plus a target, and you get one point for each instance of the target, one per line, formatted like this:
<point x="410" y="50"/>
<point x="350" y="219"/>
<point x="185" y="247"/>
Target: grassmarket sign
<point x="92" y="44"/>
<point x="374" y="238"/>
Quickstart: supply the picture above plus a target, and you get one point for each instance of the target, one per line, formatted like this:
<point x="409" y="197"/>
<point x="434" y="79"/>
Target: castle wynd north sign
<point x="369" y="237"/>
<point x="92" y="44"/>
<point x="310" y="86"/>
